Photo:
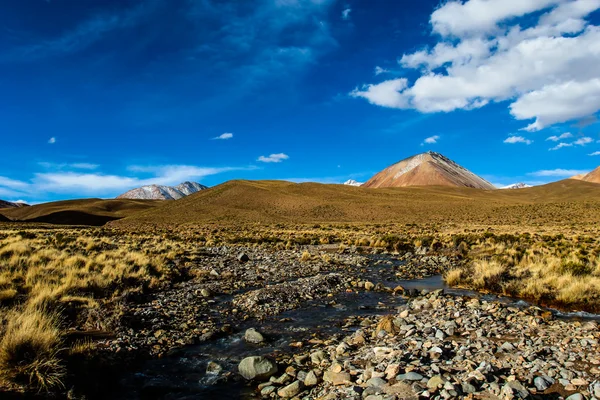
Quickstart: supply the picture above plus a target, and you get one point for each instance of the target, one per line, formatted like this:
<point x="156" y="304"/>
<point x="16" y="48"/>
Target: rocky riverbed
<point x="255" y="323"/>
<point x="441" y="346"/>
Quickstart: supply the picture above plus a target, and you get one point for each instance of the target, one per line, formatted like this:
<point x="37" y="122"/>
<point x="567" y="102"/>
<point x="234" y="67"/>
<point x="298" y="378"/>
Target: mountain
<point x="92" y="212"/>
<point x="352" y="182"/>
<point x="593" y="177"/>
<point x="160" y="192"/>
<point x="519" y="185"/>
<point x="8" y="204"/>
<point x="427" y="169"/>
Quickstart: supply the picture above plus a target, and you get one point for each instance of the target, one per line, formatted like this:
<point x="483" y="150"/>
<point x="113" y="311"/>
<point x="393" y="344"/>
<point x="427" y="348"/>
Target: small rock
<point x="243" y="257"/>
<point x="435" y="381"/>
<point x="376" y="382"/>
<point x="257" y="368"/>
<point x="290" y="390"/>
<point x="213" y="368"/>
<point x="575" y="396"/>
<point x="369" y="285"/>
<point x="311" y="379"/>
<point x="337" y="378"/>
<point x="253" y="336"/>
<point x="409" y="376"/>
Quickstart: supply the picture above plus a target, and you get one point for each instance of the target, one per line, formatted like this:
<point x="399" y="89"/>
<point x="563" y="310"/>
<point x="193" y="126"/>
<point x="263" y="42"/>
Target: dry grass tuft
<point x="29" y="350"/>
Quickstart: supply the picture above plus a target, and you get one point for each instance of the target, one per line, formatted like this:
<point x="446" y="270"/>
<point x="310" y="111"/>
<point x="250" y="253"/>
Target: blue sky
<point x="100" y="96"/>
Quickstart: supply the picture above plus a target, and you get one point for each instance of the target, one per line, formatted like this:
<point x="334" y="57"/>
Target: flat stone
<point x="337" y="378"/>
<point x="376" y="382"/>
<point x="290" y="390"/>
<point x="409" y="376"/>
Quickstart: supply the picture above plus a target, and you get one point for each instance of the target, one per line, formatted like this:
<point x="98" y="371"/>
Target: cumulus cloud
<point x="488" y="51"/>
<point x="565" y="135"/>
<point x="596" y="153"/>
<point x="517" y="139"/>
<point x="224" y="136"/>
<point x="273" y="158"/>
<point x="559" y="172"/>
<point x="52" y="140"/>
<point x="431" y="140"/>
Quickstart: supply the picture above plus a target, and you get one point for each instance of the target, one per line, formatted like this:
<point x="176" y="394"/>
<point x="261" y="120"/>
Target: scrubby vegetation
<point x="54" y="280"/>
<point x="550" y="270"/>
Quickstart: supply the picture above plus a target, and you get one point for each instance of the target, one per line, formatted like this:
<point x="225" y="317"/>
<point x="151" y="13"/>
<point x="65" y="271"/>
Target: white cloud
<point x="596" y="153"/>
<point x="52" y="140"/>
<point x="431" y="140"/>
<point x="583" y="141"/>
<point x="50" y="165"/>
<point x="565" y="135"/>
<point x="484" y="54"/>
<point x="517" y="139"/>
<point x="559" y="172"/>
<point x="273" y="158"/>
<point x="224" y="136"/>
<point x="379" y="70"/>
<point x="100" y="184"/>
<point x="560" y="146"/>
<point x="346" y="13"/>
<point x="386" y="94"/>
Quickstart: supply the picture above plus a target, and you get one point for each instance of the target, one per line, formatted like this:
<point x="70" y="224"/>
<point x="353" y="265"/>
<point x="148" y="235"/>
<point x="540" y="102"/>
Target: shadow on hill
<point x="73" y="218"/>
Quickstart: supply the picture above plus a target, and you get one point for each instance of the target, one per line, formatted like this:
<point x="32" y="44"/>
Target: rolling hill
<point x="427" y="169"/>
<point x="250" y="202"/>
<point x="93" y="212"/>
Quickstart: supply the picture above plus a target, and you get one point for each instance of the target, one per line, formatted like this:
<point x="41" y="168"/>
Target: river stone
<point x="595" y="389"/>
<point x="317" y="357"/>
<point x="311" y="379"/>
<point x="514" y="389"/>
<point x="376" y="382"/>
<point x="290" y="390"/>
<point x="576" y="396"/>
<point x="213" y="368"/>
<point x="257" y="368"/>
<point x="336" y="378"/>
<point x="205" y="292"/>
<point x="435" y="381"/>
<point x="253" y="336"/>
<point x="409" y="376"/>
<point x="542" y="382"/>
<point x="369" y="285"/>
<point x="267" y="390"/>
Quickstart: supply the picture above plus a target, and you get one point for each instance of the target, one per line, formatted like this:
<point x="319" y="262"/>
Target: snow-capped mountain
<point x="427" y="169"/>
<point x="519" y="185"/>
<point x="161" y="192"/>
<point x="352" y="182"/>
<point x="9" y="204"/>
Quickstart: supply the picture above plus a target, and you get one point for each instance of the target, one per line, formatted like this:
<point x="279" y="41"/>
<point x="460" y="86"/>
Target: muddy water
<point x="184" y="375"/>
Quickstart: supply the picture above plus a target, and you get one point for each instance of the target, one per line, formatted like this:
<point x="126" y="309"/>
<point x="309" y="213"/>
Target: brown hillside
<point x="427" y="169"/>
<point x="593" y="176"/>
<point x="94" y="212"/>
<point x="251" y="202"/>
